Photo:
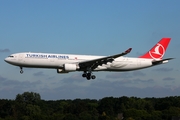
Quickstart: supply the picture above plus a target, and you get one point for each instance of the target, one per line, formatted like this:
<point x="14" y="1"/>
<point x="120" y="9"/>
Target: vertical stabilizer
<point x="158" y="51"/>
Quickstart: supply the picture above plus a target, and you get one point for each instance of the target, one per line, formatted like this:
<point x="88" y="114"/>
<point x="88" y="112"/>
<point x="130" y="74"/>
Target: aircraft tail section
<point x="158" y="51"/>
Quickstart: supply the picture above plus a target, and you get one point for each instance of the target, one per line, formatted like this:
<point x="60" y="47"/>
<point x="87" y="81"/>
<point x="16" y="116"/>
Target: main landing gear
<point x="88" y="75"/>
<point x="21" y="70"/>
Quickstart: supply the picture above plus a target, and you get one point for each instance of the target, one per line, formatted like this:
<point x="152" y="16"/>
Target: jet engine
<point x="70" y="67"/>
<point x="61" y="71"/>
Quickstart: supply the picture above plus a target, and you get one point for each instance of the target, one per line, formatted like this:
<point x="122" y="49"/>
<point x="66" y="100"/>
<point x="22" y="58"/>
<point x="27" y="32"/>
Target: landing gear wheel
<point x="21" y="71"/>
<point x="84" y="75"/>
<point x="93" y="77"/>
<point x="88" y="76"/>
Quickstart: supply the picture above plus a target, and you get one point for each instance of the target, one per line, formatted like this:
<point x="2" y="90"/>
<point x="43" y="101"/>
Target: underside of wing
<point x="92" y="64"/>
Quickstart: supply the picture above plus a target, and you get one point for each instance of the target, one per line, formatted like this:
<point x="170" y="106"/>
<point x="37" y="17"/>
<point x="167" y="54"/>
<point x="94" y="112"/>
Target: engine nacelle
<point x="70" y="67"/>
<point x="61" y="71"/>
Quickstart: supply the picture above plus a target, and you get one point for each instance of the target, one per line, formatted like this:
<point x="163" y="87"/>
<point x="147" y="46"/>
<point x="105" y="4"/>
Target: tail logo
<point x="157" y="52"/>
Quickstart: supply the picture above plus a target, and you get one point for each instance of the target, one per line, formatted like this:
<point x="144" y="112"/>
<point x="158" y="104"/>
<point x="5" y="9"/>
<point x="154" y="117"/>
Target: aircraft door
<point x="20" y="57"/>
<point x="138" y="62"/>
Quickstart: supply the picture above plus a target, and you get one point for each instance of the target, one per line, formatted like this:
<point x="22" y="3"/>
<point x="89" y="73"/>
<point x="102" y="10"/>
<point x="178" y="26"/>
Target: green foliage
<point x="28" y="98"/>
<point x="29" y="106"/>
<point x="136" y="114"/>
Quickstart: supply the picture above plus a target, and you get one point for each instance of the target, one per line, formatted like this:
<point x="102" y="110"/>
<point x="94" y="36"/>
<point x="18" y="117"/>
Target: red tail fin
<point x="158" y="51"/>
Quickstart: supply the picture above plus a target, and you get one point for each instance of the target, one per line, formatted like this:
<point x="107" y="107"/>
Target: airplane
<point x="65" y="63"/>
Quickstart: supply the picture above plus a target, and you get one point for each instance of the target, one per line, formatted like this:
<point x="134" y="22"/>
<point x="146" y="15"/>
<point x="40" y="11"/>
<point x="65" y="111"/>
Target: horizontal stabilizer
<point x="156" y="62"/>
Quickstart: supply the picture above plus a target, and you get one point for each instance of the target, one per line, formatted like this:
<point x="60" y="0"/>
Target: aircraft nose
<point x="6" y="59"/>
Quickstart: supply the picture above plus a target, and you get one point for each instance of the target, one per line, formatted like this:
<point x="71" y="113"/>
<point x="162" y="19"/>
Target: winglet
<point x="128" y="51"/>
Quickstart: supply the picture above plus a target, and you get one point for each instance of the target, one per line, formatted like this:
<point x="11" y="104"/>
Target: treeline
<point x="29" y="106"/>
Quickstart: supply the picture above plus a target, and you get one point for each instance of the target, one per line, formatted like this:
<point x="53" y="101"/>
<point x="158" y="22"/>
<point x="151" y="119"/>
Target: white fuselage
<point x="56" y="61"/>
<point x="65" y="63"/>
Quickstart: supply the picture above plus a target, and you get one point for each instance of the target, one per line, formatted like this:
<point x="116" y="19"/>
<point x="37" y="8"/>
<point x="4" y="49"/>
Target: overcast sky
<point x="89" y="27"/>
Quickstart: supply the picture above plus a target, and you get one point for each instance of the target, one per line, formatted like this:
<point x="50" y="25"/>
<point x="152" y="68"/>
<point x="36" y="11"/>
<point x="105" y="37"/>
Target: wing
<point x="92" y="64"/>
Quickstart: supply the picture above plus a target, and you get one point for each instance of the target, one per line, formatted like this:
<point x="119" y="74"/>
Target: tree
<point x="136" y="114"/>
<point x="26" y="105"/>
<point x="28" y="98"/>
<point x="107" y="105"/>
<point x="171" y="112"/>
<point x="70" y="117"/>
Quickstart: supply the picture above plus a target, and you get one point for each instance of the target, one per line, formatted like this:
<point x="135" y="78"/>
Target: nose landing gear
<point x="21" y="70"/>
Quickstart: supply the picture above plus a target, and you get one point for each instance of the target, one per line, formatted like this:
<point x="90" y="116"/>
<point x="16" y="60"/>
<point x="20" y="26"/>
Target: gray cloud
<point x="11" y="84"/>
<point x="51" y="78"/>
<point x="163" y="69"/>
<point x="126" y="75"/>
<point x="39" y="74"/>
<point x="100" y="89"/>
<point x="4" y="50"/>
<point x="144" y="81"/>
<point x="95" y="89"/>
<point x="18" y="83"/>
<point x="2" y="79"/>
<point x="77" y="87"/>
<point x="138" y="73"/>
<point x="119" y="75"/>
<point x="74" y="78"/>
<point x="168" y="79"/>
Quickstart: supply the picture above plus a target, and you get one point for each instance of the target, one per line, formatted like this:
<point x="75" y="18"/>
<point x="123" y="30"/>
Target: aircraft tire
<point x="88" y="77"/>
<point x="21" y="72"/>
<point x="93" y="77"/>
<point x="84" y="75"/>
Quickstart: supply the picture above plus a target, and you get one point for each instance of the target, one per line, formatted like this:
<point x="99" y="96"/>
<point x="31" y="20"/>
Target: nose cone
<point x="6" y="59"/>
<point x="10" y="59"/>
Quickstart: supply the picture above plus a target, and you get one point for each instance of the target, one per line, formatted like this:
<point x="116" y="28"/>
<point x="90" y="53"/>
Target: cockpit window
<point x="11" y="56"/>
